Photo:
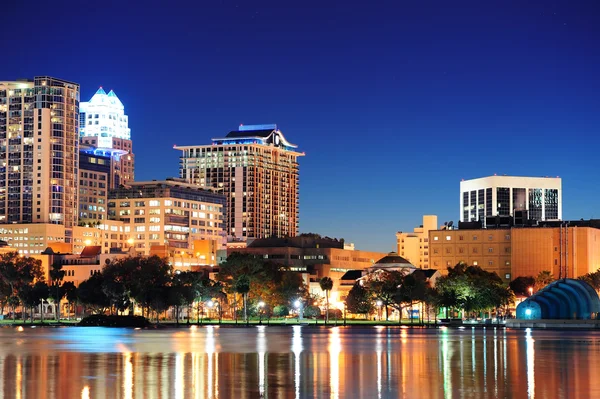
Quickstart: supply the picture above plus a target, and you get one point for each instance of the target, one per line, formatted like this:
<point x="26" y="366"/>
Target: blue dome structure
<point x="562" y="299"/>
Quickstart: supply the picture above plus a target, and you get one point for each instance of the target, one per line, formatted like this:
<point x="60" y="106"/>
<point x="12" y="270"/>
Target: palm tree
<point x="56" y="275"/>
<point x="326" y="284"/>
<point x="242" y="286"/>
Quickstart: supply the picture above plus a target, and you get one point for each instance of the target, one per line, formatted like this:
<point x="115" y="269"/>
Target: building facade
<point x="94" y="181"/>
<point x="170" y="214"/>
<point x="566" y="249"/>
<point x="486" y="197"/>
<point x="415" y="246"/>
<point x="39" y="131"/>
<point x="256" y="169"/>
<point x="105" y="126"/>
<point x="314" y="258"/>
<point x="489" y="249"/>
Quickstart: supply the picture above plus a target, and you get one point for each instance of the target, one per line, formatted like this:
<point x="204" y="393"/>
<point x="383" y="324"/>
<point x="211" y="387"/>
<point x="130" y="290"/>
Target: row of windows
<point x="473" y="250"/>
<point x="475" y="237"/>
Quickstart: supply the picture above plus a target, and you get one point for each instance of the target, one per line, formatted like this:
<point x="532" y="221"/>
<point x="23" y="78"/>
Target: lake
<point x="298" y="362"/>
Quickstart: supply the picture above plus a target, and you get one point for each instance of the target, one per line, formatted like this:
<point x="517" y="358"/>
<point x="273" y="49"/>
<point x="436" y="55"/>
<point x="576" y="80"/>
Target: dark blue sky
<point x="392" y="101"/>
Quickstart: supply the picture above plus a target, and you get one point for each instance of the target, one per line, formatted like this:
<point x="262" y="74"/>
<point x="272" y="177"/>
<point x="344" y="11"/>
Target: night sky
<point x="394" y="102"/>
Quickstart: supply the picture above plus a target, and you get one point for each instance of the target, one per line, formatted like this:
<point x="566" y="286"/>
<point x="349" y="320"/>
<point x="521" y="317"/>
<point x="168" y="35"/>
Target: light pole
<point x="210" y="305"/>
<point x="298" y="306"/>
<point x="379" y="304"/>
<point x="261" y="304"/>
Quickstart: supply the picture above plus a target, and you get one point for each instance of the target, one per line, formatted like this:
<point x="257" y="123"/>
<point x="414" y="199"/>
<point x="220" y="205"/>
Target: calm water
<point x="292" y="362"/>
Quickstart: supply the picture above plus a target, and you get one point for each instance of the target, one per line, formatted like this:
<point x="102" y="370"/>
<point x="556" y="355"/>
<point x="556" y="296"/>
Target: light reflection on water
<point x="297" y="362"/>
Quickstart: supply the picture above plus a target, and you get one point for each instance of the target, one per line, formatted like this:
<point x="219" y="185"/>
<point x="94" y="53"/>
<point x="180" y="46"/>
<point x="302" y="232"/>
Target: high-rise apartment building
<point x="257" y="170"/>
<point x="105" y="126"/>
<point x="39" y="131"/>
<point x="494" y="196"/>
<point x="171" y="214"/>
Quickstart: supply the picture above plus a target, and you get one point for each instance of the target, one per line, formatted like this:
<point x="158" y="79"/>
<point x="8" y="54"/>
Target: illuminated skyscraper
<point x="257" y="170"/>
<point x="39" y="129"/>
<point x="105" y="127"/>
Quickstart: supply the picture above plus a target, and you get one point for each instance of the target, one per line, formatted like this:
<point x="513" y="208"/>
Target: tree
<point x="312" y="311"/>
<point x="91" y="294"/>
<point x="543" y="279"/>
<point x="359" y="300"/>
<point x="472" y="289"/>
<point x="326" y="284"/>
<point x="71" y="294"/>
<point x="41" y="291"/>
<point x="57" y="274"/>
<point x="281" y="311"/>
<point x="242" y="286"/>
<point x="592" y="279"/>
<point x="17" y="271"/>
<point x="413" y="289"/>
<point x="383" y="286"/>
<point x="522" y="284"/>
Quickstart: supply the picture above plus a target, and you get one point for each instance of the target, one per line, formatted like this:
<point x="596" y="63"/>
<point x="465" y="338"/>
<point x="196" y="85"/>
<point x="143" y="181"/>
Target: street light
<point x="261" y="304"/>
<point x="379" y="304"/>
<point x="298" y="306"/>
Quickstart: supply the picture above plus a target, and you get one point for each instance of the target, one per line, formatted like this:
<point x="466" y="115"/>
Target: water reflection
<point x="298" y="362"/>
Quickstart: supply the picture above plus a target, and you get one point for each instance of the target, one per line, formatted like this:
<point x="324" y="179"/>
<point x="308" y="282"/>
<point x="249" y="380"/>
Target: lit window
<point x="448" y="238"/>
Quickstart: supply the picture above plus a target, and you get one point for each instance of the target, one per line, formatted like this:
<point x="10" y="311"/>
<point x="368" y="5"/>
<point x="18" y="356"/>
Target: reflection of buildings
<point x="503" y="195"/>
<point x="567" y="249"/>
<point x="39" y="124"/>
<point x="257" y="170"/>
<point x="305" y="363"/>
<point x="415" y="246"/>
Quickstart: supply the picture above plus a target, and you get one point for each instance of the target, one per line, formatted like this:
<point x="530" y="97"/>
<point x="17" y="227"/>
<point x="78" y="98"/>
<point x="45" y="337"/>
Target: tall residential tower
<point x="257" y="170"/>
<point x="39" y="131"/>
<point x="105" y="131"/>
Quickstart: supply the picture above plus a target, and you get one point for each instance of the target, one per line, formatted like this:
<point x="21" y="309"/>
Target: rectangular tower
<point x="257" y="170"/>
<point x="39" y="129"/>
<point x="491" y="196"/>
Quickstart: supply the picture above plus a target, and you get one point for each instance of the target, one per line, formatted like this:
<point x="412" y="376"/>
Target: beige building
<point x="521" y="251"/>
<point x="256" y="169"/>
<point x="33" y="238"/>
<point x="415" y="246"/>
<point x="170" y="214"/>
<point x="314" y="257"/>
<point x="489" y="249"/>
<point x="39" y="122"/>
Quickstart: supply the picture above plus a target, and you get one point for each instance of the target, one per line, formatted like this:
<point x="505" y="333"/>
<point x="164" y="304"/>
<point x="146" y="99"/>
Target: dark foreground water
<point x="293" y="362"/>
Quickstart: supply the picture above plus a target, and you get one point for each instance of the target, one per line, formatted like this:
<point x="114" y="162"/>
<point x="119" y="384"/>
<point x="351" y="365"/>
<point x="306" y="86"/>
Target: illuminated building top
<point x="257" y="134"/>
<point x="104" y="117"/>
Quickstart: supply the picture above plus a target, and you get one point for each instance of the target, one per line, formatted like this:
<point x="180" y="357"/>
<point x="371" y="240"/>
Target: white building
<point x="495" y="195"/>
<point x="104" y="130"/>
<point x="104" y="117"/>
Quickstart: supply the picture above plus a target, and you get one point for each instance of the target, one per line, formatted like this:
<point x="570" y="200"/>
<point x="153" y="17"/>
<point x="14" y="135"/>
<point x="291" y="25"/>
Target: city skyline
<point x="396" y="125"/>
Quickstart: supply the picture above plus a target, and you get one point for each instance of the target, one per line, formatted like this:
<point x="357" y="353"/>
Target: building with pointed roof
<point x="256" y="168"/>
<point x="105" y="131"/>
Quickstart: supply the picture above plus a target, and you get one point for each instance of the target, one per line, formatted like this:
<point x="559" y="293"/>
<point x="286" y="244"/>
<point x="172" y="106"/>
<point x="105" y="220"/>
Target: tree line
<point x="467" y="288"/>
